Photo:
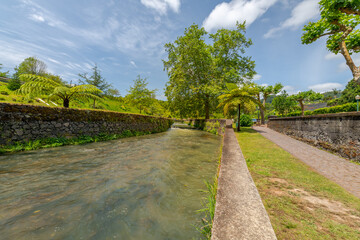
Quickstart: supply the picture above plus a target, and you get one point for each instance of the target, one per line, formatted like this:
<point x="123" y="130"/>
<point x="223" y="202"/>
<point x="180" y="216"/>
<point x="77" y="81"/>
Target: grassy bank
<point x="301" y="203"/>
<point x="62" y="141"/>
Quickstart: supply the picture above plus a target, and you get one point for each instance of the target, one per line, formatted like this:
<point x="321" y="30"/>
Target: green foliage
<point x="302" y="97"/>
<point x="198" y="72"/>
<point x="30" y="65"/>
<point x="14" y="84"/>
<point x="139" y="95"/>
<point x="348" y="95"/>
<point x="283" y="103"/>
<point x="339" y="21"/>
<point x="95" y="79"/>
<point x="264" y="92"/>
<point x="209" y="209"/>
<point x="348" y="107"/>
<point x="246" y="120"/>
<point x="3" y="74"/>
<point x="4" y="93"/>
<point x="40" y="86"/>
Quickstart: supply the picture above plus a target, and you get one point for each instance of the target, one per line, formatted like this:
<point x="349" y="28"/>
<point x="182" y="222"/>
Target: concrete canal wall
<point x="338" y="133"/>
<point x="29" y="122"/>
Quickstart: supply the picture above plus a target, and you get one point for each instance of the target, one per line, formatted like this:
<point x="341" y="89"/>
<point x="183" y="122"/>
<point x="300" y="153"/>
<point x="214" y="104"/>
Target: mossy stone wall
<point x="29" y="122"/>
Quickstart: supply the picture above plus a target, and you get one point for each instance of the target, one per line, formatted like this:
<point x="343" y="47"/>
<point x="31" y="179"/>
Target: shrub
<point x="245" y="121"/>
<point x="4" y="93"/>
<point x="14" y="84"/>
<point x="348" y="107"/>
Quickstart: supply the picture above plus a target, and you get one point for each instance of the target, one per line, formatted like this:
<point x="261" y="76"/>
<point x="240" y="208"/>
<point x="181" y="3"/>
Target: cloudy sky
<point x="126" y="38"/>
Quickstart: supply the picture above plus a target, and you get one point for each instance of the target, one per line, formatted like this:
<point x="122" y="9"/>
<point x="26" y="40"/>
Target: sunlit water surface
<point x="136" y="188"/>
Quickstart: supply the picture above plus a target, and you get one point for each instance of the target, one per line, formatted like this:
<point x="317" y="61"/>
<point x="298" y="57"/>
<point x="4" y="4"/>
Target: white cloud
<point x="37" y="18"/>
<point x="133" y="63"/>
<point x="300" y="15"/>
<point x="161" y="6"/>
<point x="257" y="77"/>
<point x="227" y="14"/>
<point x="264" y="85"/>
<point x="325" y="87"/>
<point x="332" y="56"/>
<point x="290" y="90"/>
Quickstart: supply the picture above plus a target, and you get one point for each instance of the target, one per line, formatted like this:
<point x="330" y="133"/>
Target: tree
<point x="351" y="90"/>
<point x="198" y="72"/>
<point x="96" y="80"/>
<point x="283" y="104"/>
<point x="3" y="74"/>
<point x="237" y="97"/>
<point x="262" y="93"/>
<point x="339" y="21"/>
<point x="301" y="97"/>
<point x="30" y="65"/>
<point x="39" y="86"/>
<point x="139" y="95"/>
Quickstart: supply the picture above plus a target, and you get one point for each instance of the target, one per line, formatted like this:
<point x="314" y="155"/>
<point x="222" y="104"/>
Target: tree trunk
<point x="349" y="61"/>
<point x="238" y="120"/>
<point x="66" y="103"/>
<point x="302" y="108"/>
<point x="262" y="116"/>
<point x="207" y="107"/>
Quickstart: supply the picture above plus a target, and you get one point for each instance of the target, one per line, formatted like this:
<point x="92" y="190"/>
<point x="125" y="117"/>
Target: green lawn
<point x="301" y="203"/>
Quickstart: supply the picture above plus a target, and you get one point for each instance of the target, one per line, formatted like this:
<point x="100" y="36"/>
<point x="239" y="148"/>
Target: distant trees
<point x="301" y="97"/>
<point x="3" y="74"/>
<point x="198" y="72"/>
<point x="339" y="21"/>
<point x="284" y="104"/>
<point x="139" y="95"/>
<point x="262" y="93"/>
<point x="30" y="65"/>
<point x="39" y="86"/>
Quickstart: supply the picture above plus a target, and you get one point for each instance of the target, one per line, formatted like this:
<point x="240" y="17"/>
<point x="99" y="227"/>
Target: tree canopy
<point x="198" y="72"/>
<point x="339" y="21"/>
<point x="301" y="97"/>
<point x="139" y="95"/>
<point x="262" y="93"/>
<point x="30" y="65"/>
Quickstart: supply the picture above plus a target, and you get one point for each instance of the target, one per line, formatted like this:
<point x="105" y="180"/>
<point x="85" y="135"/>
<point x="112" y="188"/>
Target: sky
<point x="126" y="38"/>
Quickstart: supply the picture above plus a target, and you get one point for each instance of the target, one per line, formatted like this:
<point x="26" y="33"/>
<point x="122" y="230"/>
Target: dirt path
<point x="335" y="168"/>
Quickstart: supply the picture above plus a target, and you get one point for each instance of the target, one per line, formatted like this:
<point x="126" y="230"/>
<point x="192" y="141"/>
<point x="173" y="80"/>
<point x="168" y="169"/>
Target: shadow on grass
<point x="246" y="130"/>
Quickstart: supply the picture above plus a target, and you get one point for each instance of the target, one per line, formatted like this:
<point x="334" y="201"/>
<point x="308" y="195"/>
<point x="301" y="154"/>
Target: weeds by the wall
<point x="62" y="141"/>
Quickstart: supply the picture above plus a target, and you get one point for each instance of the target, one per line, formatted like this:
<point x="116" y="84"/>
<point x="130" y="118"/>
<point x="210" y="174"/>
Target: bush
<point x="349" y="107"/>
<point x="4" y="93"/>
<point x="14" y="84"/>
<point x="245" y="121"/>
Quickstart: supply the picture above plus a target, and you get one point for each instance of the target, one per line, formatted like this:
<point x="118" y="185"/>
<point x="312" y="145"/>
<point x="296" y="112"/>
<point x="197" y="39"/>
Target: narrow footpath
<point x="337" y="169"/>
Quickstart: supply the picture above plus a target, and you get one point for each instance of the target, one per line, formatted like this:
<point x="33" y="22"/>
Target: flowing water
<point x="136" y="188"/>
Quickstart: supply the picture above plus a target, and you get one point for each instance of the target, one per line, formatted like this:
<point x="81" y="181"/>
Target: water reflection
<point x="135" y="188"/>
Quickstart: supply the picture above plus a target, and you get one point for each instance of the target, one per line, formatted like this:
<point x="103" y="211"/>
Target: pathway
<point x="335" y="168"/>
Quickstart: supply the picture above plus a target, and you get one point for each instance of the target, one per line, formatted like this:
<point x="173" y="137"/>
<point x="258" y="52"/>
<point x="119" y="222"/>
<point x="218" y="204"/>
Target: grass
<point x="208" y="211"/>
<point x="62" y="141"/>
<point x="301" y="203"/>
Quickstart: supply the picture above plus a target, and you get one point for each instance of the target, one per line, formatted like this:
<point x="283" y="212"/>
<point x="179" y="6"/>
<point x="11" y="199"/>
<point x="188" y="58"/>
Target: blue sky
<point x="126" y="38"/>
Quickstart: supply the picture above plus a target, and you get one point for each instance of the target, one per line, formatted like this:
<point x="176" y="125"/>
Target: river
<point x="143" y="187"/>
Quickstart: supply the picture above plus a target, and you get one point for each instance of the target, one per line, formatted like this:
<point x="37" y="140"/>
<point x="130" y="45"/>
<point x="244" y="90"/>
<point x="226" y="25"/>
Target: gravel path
<point x="337" y="169"/>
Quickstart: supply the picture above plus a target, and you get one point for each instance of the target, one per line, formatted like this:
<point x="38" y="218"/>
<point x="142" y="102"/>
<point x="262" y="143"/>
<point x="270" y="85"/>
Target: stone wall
<point x="338" y="133"/>
<point x="29" y="122"/>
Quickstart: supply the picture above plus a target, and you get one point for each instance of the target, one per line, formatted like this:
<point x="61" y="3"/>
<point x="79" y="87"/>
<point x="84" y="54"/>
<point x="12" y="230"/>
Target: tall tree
<point x="41" y="86"/>
<point x="238" y="97"/>
<point x="302" y="97"/>
<point x="139" y="95"/>
<point x="96" y="80"/>
<point x="263" y="92"/>
<point x="198" y="72"/>
<point x="339" y="21"/>
<point x="30" y="65"/>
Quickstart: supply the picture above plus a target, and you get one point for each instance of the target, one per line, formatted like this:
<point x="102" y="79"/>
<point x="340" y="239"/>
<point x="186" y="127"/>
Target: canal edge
<point x="239" y="211"/>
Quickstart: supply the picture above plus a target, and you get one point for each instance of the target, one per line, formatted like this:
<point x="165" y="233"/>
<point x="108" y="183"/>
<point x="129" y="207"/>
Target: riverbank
<point x="301" y="203"/>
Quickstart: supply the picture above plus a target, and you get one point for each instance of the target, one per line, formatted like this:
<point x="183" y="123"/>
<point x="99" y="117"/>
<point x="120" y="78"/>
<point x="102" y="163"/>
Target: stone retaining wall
<point x="29" y="122"/>
<point x="338" y="133"/>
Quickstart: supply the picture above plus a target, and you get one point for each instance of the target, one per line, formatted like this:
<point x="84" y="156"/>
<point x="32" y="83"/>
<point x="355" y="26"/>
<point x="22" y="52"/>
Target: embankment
<point x="22" y="123"/>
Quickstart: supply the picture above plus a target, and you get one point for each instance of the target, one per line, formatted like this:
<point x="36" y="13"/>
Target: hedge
<point x="348" y="107"/>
